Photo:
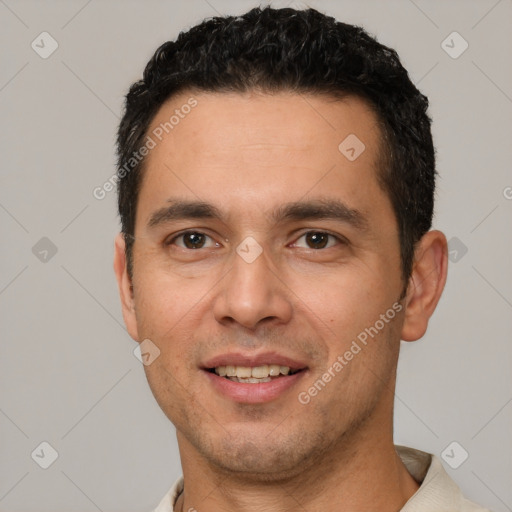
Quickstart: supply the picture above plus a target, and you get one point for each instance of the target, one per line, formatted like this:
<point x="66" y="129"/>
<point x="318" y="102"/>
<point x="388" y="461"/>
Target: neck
<point x="359" y="474"/>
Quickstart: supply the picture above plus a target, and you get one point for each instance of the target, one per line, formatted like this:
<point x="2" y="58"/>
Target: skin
<point x="248" y="154"/>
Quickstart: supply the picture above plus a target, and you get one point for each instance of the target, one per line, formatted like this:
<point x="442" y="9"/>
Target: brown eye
<point x="317" y="240"/>
<point x="192" y="240"/>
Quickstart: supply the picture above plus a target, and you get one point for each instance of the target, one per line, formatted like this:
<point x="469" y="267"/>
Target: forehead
<point x="235" y="121"/>
<point x="262" y="149"/>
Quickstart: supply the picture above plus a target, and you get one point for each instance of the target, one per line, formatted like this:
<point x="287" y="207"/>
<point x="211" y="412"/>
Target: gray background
<point x="68" y="375"/>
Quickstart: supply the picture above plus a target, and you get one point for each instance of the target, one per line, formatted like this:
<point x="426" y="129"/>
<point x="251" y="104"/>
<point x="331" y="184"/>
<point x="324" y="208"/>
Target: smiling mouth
<point x="254" y="374"/>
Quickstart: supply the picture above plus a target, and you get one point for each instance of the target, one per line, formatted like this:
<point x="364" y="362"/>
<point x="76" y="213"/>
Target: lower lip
<point x="254" y="393"/>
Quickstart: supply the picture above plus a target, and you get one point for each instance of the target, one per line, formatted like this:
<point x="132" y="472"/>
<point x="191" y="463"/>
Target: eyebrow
<point x="315" y="209"/>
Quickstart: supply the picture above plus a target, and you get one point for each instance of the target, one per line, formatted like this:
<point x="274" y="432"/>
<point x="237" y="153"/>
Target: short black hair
<point x="302" y="51"/>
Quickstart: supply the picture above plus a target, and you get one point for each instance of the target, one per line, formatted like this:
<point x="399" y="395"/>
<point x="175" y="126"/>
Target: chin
<point x="268" y="458"/>
<point x="260" y="469"/>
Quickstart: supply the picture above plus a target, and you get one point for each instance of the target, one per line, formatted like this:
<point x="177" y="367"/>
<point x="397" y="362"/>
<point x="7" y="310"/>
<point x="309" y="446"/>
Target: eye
<point x="318" y="240"/>
<point x="192" y="240"/>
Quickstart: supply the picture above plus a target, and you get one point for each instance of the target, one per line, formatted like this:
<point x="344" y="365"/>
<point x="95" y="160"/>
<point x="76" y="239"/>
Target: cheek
<point x="160" y="304"/>
<point x="168" y="387"/>
<point x="164" y="297"/>
<point x="343" y="304"/>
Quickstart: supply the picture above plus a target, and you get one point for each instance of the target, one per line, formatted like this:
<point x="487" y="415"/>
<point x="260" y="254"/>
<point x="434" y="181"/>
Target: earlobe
<point x="124" y="284"/>
<point x="426" y="284"/>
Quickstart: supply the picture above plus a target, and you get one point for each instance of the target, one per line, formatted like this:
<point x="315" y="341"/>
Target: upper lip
<point x="252" y="360"/>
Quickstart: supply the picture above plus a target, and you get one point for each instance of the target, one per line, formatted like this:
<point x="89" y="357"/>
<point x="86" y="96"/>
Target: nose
<point x="252" y="294"/>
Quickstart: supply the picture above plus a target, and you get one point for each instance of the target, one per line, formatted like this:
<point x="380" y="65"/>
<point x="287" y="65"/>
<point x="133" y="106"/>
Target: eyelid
<point x="172" y="238"/>
<point x="339" y="238"/>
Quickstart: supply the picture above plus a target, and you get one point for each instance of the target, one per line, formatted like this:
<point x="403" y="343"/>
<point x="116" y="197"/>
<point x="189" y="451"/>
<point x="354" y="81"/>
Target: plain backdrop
<point x="68" y="374"/>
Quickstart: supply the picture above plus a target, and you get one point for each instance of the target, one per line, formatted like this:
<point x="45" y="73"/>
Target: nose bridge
<point x="252" y="292"/>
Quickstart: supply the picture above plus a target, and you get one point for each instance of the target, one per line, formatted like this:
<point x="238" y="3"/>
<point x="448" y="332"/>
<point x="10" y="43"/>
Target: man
<point x="276" y="181"/>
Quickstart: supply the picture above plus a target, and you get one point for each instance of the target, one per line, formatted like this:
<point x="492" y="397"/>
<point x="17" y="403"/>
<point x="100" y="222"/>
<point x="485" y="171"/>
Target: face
<point x="260" y="244"/>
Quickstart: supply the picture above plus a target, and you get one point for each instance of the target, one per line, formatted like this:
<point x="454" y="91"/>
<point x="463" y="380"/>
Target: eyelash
<point x="182" y="234"/>
<point x="170" y="242"/>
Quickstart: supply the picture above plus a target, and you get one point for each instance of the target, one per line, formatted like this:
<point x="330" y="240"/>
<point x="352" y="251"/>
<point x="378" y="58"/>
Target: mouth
<point x="255" y="374"/>
<point x="253" y="379"/>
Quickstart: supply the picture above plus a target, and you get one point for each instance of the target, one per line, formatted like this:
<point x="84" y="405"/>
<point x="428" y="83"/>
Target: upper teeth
<point x="258" y="372"/>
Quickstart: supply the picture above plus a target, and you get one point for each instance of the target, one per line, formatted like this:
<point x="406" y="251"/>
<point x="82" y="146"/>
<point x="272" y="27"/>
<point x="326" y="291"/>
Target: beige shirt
<point x="437" y="493"/>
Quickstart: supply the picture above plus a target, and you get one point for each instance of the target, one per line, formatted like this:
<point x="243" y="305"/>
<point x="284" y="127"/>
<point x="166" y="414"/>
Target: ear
<point x="425" y="284"/>
<point x="125" y="287"/>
